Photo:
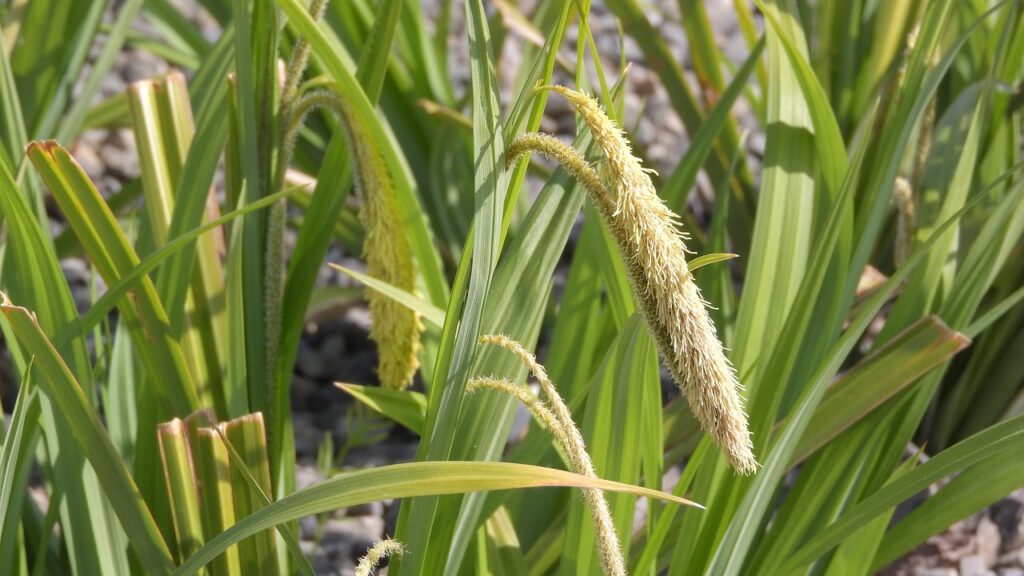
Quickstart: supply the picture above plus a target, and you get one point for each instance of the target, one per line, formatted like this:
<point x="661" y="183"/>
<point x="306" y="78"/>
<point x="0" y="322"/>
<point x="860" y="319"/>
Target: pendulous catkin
<point x="557" y="418"/>
<point x="396" y="329"/>
<point x="647" y="235"/>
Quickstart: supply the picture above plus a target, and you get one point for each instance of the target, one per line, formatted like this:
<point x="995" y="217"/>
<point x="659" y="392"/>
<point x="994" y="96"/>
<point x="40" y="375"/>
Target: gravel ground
<point x="337" y="349"/>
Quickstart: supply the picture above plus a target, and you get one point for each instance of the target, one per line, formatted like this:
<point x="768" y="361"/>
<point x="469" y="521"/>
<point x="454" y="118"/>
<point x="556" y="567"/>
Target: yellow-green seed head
<point x="648" y="237"/>
<point x="379" y="551"/>
<point x="557" y="418"/>
<point x="396" y="329"/>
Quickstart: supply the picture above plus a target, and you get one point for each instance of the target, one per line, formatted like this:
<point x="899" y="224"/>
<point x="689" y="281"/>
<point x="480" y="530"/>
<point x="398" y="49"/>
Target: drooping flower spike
<point x="647" y="235"/>
<point x="556" y="417"/>
<point x="396" y="329"/>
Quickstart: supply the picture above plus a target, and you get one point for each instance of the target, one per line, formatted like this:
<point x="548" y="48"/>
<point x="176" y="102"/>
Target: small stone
<point x="332" y="351"/>
<point x="988" y="540"/>
<point x="112" y="85"/>
<point x="974" y="565"/>
<point x="1008" y="515"/>
<point x="307" y="475"/>
<point x="118" y="155"/>
<point x="340" y="537"/>
<point x="309" y="362"/>
<point x="92" y="138"/>
<point x="307" y="436"/>
<point x="316" y="553"/>
<point x="308" y="528"/>
<point x="359" y="317"/>
<point x="1013" y="559"/>
<point x="88" y="159"/>
<point x="302" y="392"/>
<point x="138" y="65"/>
<point x="936" y="572"/>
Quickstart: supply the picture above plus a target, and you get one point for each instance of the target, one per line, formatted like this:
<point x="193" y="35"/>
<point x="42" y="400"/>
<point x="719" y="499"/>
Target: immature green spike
<point x="396" y="328"/>
<point x="646" y="233"/>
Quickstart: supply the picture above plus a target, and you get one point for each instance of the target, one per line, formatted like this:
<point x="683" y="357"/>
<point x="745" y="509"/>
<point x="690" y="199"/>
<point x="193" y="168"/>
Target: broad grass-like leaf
<point x="163" y="133"/>
<point x="975" y="488"/>
<point x="406" y="407"/>
<point x="32" y="274"/>
<point x="732" y="553"/>
<point x="430" y="313"/>
<point x="781" y="238"/>
<point x="113" y="256"/>
<point x="431" y="521"/>
<point x="181" y="486"/>
<point x="404" y="481"/>
<point x="59" y="384"/>
<point x="250" y="485"/>
<point x="213" y="474"/>
<point x="991" y="446"/>
<point x="925" y="345"/>
<point x="617" y="394"/>
<point x="209" y="95"/>
<point x="15" y="462"/>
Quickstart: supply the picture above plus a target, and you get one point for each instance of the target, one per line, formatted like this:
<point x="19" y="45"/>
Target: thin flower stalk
<point x="647" y="235"/>
<point x="273" y="256"/>
<point x="378" y="552"/>
<point x="300" y="56"/>
<point x="569" y="159"/>
<point x="534" y="405"/>
<point x="558" y="420"/>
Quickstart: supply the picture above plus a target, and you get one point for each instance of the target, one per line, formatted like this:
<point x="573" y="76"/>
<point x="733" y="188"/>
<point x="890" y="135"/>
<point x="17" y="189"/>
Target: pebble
<point x="974" y="565"/>
<point x="119" y="155"/>
<point x="316" y="554"/>
<point x="89" y="160"/>
<point x="1008" y="514"/>
<point x="309" y="362"/>
<point x="341" y="537"/>
<point x="307" y="436"/>
<point x="937" y="572"/>
<point x="1013" y="559"/>
<point x="988" y="540"/>
<point x="302" y="392"/>
<point x="306" y="476"/>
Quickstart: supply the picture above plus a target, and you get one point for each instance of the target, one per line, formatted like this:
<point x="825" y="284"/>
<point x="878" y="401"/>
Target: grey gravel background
<point x="988" y="543"/>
